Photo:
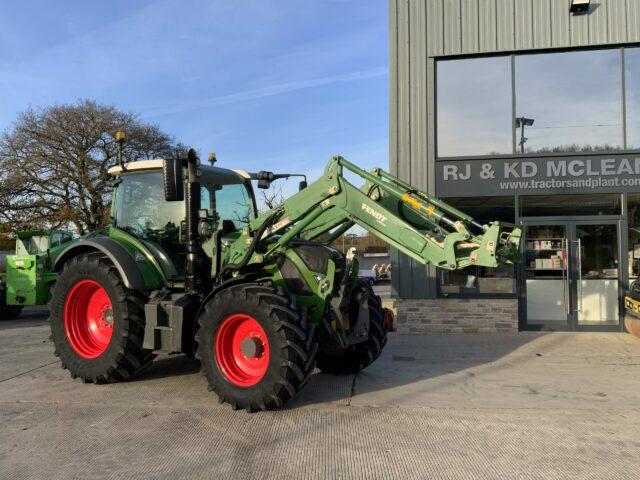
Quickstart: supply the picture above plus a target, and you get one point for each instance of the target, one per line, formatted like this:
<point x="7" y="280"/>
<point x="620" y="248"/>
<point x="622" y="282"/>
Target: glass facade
<point x="632" y="70"/>
<point x="574" y="265"/>
<point x="570" y="205"/>
<point x="561" y="102"/>
<point x="633" y="236"/>
<point x="574" y="100"/>
<point x="546" y="242"/>
<point x="474" y="107"/>
<point x="481" y="280"/>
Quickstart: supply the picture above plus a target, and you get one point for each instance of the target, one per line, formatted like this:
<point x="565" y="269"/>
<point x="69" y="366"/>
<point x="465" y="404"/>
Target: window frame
<point x="512" y="56"/>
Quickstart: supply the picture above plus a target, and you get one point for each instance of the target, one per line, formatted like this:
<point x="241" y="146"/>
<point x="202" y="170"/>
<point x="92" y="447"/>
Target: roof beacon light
<point x="120" y="139"/>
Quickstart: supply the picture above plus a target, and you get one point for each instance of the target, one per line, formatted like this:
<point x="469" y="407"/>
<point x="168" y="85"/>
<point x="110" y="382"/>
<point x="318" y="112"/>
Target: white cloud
<point x="268" y="91"/>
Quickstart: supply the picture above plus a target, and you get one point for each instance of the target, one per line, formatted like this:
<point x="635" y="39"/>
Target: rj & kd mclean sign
<point x="527" y="176"/>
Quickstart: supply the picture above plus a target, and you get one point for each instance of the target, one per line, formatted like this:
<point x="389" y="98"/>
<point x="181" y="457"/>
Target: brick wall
<point x="456" y="315"/>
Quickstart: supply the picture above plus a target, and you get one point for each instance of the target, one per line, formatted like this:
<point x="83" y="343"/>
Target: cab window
<point x="233" y="203"/>
<point x="56" y="239"/>
<point x="141" y="210"/>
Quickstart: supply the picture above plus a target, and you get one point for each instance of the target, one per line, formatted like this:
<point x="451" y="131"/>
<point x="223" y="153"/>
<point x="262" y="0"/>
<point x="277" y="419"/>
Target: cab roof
<point x="217" y="174"/>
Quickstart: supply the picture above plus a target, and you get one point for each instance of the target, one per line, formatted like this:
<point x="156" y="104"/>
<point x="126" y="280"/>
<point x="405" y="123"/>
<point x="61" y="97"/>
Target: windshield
<point x="142" y="210"/>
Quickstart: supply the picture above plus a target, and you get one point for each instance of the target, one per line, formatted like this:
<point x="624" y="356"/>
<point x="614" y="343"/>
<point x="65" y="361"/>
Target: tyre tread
<point x="293" y="337"/>
<point x="131" y="358"/>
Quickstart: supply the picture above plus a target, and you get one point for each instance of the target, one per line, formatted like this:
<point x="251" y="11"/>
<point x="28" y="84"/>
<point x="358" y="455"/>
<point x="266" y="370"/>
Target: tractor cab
<point x="141" y="210"/>
<point x="28" y="276"/>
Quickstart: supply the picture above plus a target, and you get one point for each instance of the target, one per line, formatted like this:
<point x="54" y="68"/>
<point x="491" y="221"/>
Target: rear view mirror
<point x="302" y="185"/>
<point x="172" y="179"/>
<point x="265" y="179"/>
<point x="264" y="184"/>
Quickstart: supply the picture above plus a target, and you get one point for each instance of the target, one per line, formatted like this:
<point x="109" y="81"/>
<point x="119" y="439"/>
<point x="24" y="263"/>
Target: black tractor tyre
<point x="90" y="292"/>
<point x="7" y="312"/>
<point x="361" y="355"/>
<point x="256" y="351"/>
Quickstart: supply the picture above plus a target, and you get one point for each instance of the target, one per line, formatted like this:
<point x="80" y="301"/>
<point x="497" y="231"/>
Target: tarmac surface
<point x="507" y="406"/>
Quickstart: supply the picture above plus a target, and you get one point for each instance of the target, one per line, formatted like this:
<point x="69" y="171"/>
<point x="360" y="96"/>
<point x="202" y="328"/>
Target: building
<point x="525" y="112"/>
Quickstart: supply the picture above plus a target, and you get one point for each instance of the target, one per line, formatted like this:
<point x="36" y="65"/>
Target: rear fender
<point x="128" y="267"/>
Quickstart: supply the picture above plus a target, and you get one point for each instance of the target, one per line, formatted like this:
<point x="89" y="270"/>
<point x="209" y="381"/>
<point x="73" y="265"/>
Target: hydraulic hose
<point x="252" y="247"/>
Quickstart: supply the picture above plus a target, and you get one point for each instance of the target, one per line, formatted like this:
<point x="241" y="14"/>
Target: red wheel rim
<point x="88" y="318"/>
<point x="242" y="350"/>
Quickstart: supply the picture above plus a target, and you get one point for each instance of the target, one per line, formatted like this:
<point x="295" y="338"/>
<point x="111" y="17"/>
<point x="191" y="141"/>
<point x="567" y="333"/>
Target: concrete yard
<point x="526" y="405"/>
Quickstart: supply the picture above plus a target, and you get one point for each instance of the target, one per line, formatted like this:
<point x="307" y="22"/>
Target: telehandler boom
<point x="186" y="266"/>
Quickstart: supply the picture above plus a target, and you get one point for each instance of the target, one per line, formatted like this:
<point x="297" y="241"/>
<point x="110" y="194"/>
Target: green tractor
<point x="187" y="266"/>
<point x="28" y="275"/>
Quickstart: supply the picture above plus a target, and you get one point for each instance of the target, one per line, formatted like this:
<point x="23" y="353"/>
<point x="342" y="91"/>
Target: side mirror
<point x="265" y="179"/>
<point x="264" y="184"/>
<point x="173" y="180"/>
<point x="302" y="185"/>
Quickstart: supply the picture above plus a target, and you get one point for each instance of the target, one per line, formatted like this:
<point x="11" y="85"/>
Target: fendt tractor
<point x="187" y="266"/>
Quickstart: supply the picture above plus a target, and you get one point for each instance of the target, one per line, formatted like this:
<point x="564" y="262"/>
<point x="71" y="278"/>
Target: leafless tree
<point x="272" y="197"/>
<point x="54" y="162"/>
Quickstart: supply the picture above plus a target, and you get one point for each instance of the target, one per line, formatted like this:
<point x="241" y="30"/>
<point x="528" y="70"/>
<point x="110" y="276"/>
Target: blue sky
<point x="270" y="84"/>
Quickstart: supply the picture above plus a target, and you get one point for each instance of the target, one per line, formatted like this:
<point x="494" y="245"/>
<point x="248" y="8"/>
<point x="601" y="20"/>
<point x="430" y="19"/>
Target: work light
<point x="579" y="6"/>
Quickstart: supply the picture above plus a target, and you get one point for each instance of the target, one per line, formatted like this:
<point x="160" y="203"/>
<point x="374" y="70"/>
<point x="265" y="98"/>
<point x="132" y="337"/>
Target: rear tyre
<point x="97" y="324"/>
<point x="361" y="355"/>
<point x="7" y="312"/>
<point x="256" y="351"/>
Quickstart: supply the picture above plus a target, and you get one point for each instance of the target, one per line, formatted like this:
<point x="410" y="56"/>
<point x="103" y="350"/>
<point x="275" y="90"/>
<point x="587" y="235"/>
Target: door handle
<point x="579" y="268"/>
<point x="565" y="276"/>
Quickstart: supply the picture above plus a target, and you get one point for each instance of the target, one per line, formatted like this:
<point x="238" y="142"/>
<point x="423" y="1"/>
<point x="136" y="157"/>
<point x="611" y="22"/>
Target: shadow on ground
<point x="450" y="406"/>
<point x="528" y="369"/>
<point x="407" y="361"/>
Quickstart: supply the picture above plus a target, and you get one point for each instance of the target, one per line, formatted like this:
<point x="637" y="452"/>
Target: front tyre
<point x="359" y="356"/>
<point x="97" y="324"/>
<point x="255" y="350"/>
<point x="7" y="312"/>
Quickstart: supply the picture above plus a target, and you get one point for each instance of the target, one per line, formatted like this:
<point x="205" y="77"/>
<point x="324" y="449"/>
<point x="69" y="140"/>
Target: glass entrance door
<point x="546" y="275"/>
<point x="596" y="274"/>
<point x="571" y="275"/>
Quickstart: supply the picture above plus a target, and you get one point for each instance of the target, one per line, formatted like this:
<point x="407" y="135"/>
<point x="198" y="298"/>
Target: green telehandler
<point x="186" y="266"/>
<point x="28" y="275"/>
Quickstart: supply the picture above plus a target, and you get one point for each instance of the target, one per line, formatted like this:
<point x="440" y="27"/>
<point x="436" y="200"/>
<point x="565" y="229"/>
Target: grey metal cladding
<point x="482" y="26"/>
<point x="409" y="135"/>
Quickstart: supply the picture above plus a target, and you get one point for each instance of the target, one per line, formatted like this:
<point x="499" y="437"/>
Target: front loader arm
<point x="419" y="225"/>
